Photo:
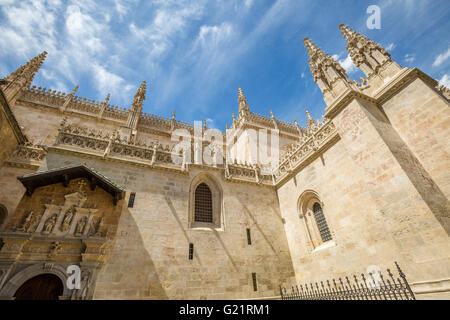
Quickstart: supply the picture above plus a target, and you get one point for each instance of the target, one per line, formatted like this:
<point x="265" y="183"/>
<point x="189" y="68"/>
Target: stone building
<point x="90" y="184"/>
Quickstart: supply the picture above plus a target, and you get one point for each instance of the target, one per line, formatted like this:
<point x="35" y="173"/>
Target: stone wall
<point x="8" y="141"/>
<point x="11" y="190"/>
<point x="376" y="200"/>
<point x="150" y="257"/>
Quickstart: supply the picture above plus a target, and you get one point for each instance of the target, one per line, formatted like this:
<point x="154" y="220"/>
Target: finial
<point x="241" y="97"/>
<point x="347" y="32"/>
<point x="107" y="98"/>
<point x="139" y="97"/>
<point x="271" y="115"/>
<point x="74" y="90"/>
<point x="310" y="121"/>
<point x="32" y="67"/>
<point x="234" y="118"/>
<point x="311" y="47"/>
<point x="173" y="115"/>
<point x="241" y="94"/>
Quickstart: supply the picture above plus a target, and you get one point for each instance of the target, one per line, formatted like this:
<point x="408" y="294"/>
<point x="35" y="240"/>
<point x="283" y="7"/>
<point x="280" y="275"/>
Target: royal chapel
<point x="89" y="185"/>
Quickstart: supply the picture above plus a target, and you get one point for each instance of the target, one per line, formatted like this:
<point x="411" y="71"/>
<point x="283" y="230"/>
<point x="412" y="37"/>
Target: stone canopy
<point x="64" y="175"/>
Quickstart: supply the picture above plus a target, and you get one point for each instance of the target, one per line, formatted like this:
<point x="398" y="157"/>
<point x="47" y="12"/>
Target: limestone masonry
<point x="86" y="183"/>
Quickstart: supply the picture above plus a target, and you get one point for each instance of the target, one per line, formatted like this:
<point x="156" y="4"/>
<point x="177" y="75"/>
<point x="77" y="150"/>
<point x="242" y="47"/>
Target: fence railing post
<point x="369" y="288"/>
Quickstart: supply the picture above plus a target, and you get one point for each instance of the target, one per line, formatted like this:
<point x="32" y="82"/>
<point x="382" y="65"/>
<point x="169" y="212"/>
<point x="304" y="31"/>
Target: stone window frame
<point x="305" y="205"/>
<point x="217" y="202"/>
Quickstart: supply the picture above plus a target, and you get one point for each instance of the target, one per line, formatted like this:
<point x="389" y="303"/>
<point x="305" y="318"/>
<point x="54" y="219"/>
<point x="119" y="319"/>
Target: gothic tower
<point x="22" y="78"/>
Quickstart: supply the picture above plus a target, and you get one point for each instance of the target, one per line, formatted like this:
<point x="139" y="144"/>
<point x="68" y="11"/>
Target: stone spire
<point x="310" y="121"/>
<point x="300" y="133"/>
<point x="366" y="54"/>
<point x="22" y="77"/>
<point x="103" y="106"/>
<point x="106" y="99"/>
<point x="327" y="73"/>
<point x="244" y="110"/>
<point x="68" y="98"/>
<point x="172" y="121"/>
<point x="274" y="121"/>
<point x="136" y="107"/>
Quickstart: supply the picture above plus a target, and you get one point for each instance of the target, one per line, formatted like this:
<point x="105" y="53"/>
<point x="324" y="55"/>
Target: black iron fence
<point x="374" y="286"/>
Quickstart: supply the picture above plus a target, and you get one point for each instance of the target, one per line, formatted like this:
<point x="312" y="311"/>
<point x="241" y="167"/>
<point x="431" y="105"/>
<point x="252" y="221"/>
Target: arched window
<point x="315" y="224"/>
<point x="203" y="204"/>
<point x="321" y="222"/>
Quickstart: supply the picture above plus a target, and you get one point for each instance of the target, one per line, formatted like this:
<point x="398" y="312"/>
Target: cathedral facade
<point x="93" y="187"/>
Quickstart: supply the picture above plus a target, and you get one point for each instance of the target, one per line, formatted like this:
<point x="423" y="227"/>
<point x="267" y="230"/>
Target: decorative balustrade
<point x="115" y="112"/>
<point x="84" y="105"/>
<point x="112" y="145"/>
<point x="78" y="104"/>
<point x="44" y="96"/>
<point x="315" y="138"/>
<point x="28" y="154"/>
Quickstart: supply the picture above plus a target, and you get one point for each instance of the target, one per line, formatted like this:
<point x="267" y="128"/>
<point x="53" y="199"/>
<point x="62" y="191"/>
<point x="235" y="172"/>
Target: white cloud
<point x="445" y="81"/>
<point x="84" y="31"/>
<point x="122" y="7"/>
<point x="410" y="57"/>
<point x="248" y="3"/>
<point x="441" y="58"/>
<point x="28" y="27"/>
<point x="168" y="24"/>
<point x="346" y="63"/>
<point x="109" y="82"/>
<point x="390" y="47"/>
<point x="76" y="36"/>
<point x="214" y="35"/>
<point x="210" y="123"/>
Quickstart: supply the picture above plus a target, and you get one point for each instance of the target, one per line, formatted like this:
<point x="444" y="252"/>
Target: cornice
<point x="404" y="77"/>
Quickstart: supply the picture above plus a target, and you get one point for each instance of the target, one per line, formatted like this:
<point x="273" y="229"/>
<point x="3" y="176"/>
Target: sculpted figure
<point x="48" y="226"/>
<point x="27" y="222"/>
<point x="67" y="219"/>
<point x="80" y="226"/>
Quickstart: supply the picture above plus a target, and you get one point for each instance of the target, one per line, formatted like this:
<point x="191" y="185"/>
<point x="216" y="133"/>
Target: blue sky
<point x="194" y="54"/>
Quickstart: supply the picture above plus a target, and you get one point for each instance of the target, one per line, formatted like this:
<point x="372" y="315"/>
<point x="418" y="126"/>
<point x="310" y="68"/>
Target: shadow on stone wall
<point x="177" y="218"/>
<point x="255" y="223"/>
<point x="226" y="250"/>
<point x="129" y="272"/>
<point x="431" y="194"/>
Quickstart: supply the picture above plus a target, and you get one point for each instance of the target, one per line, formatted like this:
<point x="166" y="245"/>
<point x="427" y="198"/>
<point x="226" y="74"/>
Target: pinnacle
<point x="347" y="32"/>
<point x="74" y="90"/>
<point x="38" y="60"/>
<point x="139" y="97"/>
<point x="240" y="92"/>
<point x="142" y="89"/>
<point x="311" y="47"/>
<point x="241" y="97"/>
